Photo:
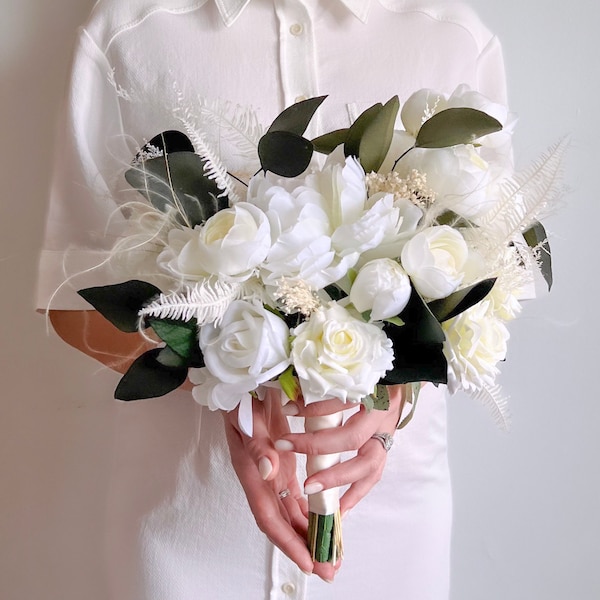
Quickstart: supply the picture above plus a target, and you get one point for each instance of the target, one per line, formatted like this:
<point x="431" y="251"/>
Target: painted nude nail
<point x="284" y="445"/>
<point x="313" y="488"/>
<point x="264" y="467"/>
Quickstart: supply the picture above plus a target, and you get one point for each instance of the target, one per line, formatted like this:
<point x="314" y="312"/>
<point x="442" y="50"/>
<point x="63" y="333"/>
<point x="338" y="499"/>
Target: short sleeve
<point x="83" y="219"/>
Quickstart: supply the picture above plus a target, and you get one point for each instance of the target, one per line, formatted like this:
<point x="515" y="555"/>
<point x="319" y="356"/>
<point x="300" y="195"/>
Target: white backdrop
<point x="526" y="503"/>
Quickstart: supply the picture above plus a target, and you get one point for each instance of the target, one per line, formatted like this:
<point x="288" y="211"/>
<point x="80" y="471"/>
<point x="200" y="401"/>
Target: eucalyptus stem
<point x="237" y="178"/>
<point x="402" y="156"/>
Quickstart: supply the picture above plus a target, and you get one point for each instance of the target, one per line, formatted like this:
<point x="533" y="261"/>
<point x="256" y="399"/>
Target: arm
<point x="92" y="334"/>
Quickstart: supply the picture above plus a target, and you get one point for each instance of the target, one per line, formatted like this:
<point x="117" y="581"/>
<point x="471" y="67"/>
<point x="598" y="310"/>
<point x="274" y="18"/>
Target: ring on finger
<point x="284" y="493"/>
<point x="386" y="439"/>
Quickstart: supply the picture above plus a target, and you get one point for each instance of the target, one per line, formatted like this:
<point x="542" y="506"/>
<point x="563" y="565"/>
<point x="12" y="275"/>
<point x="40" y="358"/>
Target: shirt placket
<point x="287" y="581"/>
<point x="297" y="53"/>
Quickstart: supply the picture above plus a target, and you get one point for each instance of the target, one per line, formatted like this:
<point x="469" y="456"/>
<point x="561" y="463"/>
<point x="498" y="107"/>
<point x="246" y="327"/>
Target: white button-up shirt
<point x="177" y="525"/>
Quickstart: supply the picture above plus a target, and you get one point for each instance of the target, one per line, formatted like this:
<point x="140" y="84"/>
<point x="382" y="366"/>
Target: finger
<point x="360" y="488"/>
<point x="327" y="571"/>
<point x="265" y="505"/>
<point x="260" y="446"/>
<point x="347" y="472"/>
<point x="315" y="409"/>
<point x="350" y="436"/>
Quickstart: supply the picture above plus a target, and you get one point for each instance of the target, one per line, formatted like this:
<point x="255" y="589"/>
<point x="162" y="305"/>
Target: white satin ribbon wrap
<point x="326" y="502"/>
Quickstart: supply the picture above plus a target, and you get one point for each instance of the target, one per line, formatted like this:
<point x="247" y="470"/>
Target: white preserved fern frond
<point x="238" y="125"/>
<point x="527" y="196"/>
<point x="206" y="301"/>
<point x="214" y="168"/>
<point x="493" y="398"/>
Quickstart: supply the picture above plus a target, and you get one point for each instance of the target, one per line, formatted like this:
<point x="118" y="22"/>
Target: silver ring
<point x="284" y="493"/>
<point x="386" y="439"/>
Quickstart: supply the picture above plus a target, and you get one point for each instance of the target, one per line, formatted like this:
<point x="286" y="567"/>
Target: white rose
<point x="435" y="258"/>
<point x="231" y="244"/>
<point x="339" y="356"/>
<point x="249" y="346"/>
<point x="419" y="107"/>
<point x="475" y="343"/>
<point x="381" y="286"/>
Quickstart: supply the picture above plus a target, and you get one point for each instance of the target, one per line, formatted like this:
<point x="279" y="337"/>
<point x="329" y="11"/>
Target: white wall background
<point x="527" y="504"/>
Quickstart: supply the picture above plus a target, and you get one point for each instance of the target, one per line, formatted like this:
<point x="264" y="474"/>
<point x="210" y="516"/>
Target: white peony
<point x="381" y="286"/>
<point x="339" y="356"/>
<point x="475" y="343"/>
<point x="435" y="259"/>
<point x="231" y="244"/>
<point x="249" y="347"/>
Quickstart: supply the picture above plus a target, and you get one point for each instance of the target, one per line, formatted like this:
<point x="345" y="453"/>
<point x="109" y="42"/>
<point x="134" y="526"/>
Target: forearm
<point x="92" y="334"/>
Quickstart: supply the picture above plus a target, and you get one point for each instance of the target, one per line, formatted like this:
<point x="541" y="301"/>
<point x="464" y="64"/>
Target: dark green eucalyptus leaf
<point x="148" y="377"/>
<point x="180" y="336"/>
<point x="455" y="126"/>
<point x="121" y="303"/>
<point x="295" y="118"/>
<point x="536" y="237"/>
<point x="358" y="128"/>
<point x="167" y="141"/>
<point x="326" y="144"/>
<point x="178" y="181"/>
<point x="458" y="302"/>
<point x="284" y="153"/>
<point x="449" y="217"/>
<point x="377" y="137"/>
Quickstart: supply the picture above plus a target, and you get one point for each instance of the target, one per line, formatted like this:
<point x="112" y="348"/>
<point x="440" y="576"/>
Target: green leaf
<point x="167" y="141"/>
<point x="335" y="292"/>
<point x="418" y="346"/>
<point x="455" y="126"/>
<point x="178" y="181"/>
<point x="326" y="144"/>
<point x="148" y="377"/>
<point x="377" y="137"/>
<point x="180" y="336"/>
<point x="284" y="153"/>
<point x="420" y="324"/>
<point x="536" y="237"/>
<point x="289" y="384"/>
<point x="395" y="321"/>
<point x="295" y="118"/>
<point x="382" y="398"/>
<point x="121" y="303"/>
<point x="449" y="217"/>
<point x="368" y="402"/>
<point x="358" y="128"/>
<point x="458" y="302"/>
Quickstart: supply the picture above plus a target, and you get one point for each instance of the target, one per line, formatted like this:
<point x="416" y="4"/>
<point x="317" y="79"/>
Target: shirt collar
<point x="231" y="9"/>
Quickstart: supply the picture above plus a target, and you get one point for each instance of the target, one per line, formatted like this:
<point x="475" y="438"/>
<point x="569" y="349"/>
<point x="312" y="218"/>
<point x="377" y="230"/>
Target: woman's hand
<point x="364" y="470"/>
<point x="264" y="473"/>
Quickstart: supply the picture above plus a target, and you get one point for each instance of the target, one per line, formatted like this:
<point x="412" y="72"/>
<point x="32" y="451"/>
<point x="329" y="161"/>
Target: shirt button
<point x="300" y="98"/>
<point x="288" y="588"/>
<point x="296" y="29"/>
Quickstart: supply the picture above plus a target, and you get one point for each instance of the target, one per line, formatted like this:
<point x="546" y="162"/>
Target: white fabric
<point x="172" y="488"/>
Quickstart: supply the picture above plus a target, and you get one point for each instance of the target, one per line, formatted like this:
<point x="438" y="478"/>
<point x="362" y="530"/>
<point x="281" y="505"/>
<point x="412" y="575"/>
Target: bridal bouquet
<point x="397" y="258"/>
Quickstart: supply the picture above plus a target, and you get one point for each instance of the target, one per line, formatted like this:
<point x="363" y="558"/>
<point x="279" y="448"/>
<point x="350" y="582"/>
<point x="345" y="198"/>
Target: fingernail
<point x="264" y="467"/>
<point x="284" y="445"/>
<point x="345" y="514"/>
<point x="290" y="409"/>
<point x="327" y="580"/>
<point x="307" y="573"/>
<point x="313" y="488"/>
